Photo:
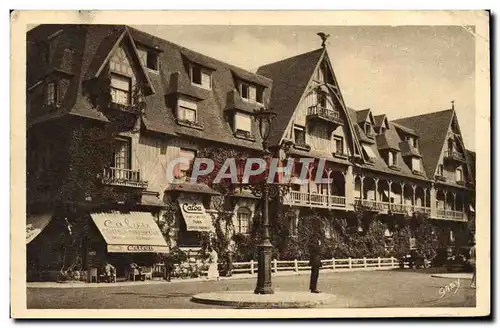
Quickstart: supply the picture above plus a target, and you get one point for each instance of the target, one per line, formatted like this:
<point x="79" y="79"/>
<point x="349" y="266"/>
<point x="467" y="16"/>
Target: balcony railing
<point x="450" y="214"/>
<point x="454" y="156"/>
<point x="325" y="114"/>
<point x="379" y="206"/>
<point x="115" y="176"/>
<point x="422" y="210"/>
<point x="314" y="200"/>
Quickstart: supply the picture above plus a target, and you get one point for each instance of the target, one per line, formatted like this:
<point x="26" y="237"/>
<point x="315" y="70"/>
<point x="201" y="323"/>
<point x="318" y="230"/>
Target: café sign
<point x="133" y="232"/>
<point x="194" y="215"/>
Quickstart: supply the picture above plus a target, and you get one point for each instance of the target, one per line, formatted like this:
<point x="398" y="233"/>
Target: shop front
<point x="125" y="240"/>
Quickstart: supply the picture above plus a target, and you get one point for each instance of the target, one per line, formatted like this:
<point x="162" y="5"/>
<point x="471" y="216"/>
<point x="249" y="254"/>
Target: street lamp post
<point x="264" y="118"/>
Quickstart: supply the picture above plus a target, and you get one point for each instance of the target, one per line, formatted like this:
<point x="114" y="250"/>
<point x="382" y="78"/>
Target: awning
<point x="35" y="224"/>
<point x="134" y="232"/>
<point x="195" y="215"/>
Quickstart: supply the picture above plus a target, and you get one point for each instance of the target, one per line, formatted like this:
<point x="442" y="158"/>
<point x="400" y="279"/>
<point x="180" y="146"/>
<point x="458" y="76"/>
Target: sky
<point x="397" y="70"/>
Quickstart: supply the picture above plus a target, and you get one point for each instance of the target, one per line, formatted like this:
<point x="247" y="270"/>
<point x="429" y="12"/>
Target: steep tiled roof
<point x="392" y="140"/>
<point x="96" y="41"/>
<point x="290" y="79"/>
<point x="404" y="129"/>
<point x="389" y="140"/>
<point x="431" y="129"/>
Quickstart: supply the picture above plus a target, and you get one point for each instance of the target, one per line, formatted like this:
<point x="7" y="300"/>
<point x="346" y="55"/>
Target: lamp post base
<point x="264" y="285"/>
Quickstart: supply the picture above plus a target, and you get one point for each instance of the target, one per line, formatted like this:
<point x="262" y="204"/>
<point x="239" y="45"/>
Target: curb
<point x="248" y="299"/>
<point x="452" y="276"/>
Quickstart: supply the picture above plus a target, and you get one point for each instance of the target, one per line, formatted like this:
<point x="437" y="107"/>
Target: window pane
<point x="152" y="61"/>
<point x="252" y="93"/>
<point x="51" y="99"/>
<point x="243" y="122"/>
<point x="206" y="80"/>
<point x="260" y="95"/>
<point x="187" y="114"/>
<point x="196" y="75"/>
<point x="120" y="82"/>
<point x="416" y="164"/>
<point x="119" y="96"/>
<point x="300" y="135"/>
<point x="244" y="91"/>
<point x="122" y="156"/>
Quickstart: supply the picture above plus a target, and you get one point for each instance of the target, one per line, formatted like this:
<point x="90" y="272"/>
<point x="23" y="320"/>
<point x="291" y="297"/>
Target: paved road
<point x="356" y="289"/>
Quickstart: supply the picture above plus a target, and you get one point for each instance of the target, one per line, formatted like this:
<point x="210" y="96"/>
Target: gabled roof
<point x="290" y="79"/>
<point x="432" y="129"/>
<point x="106" y="49"/>
<point x="380" y="119"/>
<point x="362" y="115"/>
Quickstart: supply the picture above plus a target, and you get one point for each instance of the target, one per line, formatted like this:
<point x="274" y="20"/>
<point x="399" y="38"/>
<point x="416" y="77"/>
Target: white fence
<point x="333" y="264"/>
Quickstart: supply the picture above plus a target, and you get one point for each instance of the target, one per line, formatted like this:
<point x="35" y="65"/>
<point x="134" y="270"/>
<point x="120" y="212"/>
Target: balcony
<point x="318" y="113"/>
<point x="298" y="198"/>
<point x="114" y="176"/>
<point x="450" y="215"/>
<point x="422" y="210"/>
<point x="454" y="157"/>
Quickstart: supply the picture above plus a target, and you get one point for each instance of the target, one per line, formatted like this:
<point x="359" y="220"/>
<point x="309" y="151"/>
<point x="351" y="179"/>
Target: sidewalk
<point x="81" y="284"/>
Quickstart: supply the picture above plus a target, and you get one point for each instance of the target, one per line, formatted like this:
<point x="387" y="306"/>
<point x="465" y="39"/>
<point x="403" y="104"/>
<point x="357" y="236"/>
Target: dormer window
<point x="120" y="89"/>
<point x="200" y="77"/>
<point x="440" y="170"/>
<point x="299" y="134"/>
<point x="392" y="158"/>
<point x="412" y="141"/>
<point x="251" y="93"/>
<point x="149" y="58"/>
<point x="459" y="175"/>
<point x="382" y="130"/>
<point x="242" y="123"/>
<point x="187" y="111"/>
<point x="55" y="91"/>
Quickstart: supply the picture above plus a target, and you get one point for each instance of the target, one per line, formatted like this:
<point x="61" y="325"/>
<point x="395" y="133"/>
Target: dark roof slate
<point x="290" y="79"/>
<point x="431" y="129"/>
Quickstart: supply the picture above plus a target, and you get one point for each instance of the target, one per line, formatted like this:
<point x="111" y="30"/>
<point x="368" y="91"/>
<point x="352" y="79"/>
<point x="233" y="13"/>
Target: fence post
<point x="364" y="262"/>
<point x="378" y="262"/>
<point x="251" y="267"/>
<point x="392" y="261"/>
<point x="275" y="265"/>
<point x="350" y="263"/>
<point x="333" y="264"/>
<point x="295" y="265"/>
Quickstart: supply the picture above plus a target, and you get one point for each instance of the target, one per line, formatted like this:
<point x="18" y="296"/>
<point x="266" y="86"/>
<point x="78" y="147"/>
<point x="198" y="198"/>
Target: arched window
<point x="243" y="218"/>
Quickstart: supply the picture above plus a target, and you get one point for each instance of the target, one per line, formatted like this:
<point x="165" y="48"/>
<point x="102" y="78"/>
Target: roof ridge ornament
<point x="453" y="104"/>
<point x="324" y="36"/>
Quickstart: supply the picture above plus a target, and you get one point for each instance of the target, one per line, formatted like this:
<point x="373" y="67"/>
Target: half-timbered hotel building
<point x="177" y="101"/>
